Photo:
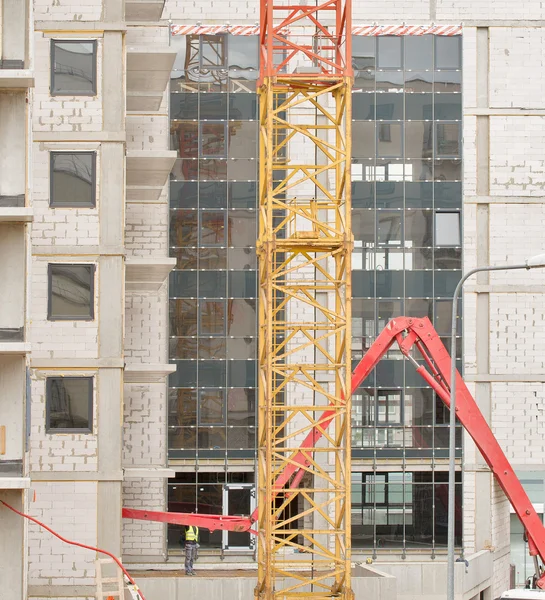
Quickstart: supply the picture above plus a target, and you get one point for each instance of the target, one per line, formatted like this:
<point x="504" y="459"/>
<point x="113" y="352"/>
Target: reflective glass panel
<point x="390" y="52"/>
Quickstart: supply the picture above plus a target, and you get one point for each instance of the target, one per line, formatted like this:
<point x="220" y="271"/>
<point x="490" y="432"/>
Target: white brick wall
<point x="517" y="420"/>
<point x="147" y="36"/>
<point x="144" y="537"/>
<point x="70" y="509"/>
<point x="517" y="73"/>
<point x="70" y="10"/>
<point x="516" y="233"/>
<point x="60" y="451"/>
<point x="144" y="425"/>
<point x="58" y="339"/>
<point x="487" y="10"/>
<point x="146" y="327"/>
<point x="64" y="113"/>
<point x="61" y="226"/>
<point x="145" y="132"/>
<point x="146" y="229"/>
<point x="517" y="161"/>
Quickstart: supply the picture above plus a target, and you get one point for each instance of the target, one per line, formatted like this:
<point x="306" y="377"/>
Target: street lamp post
<point x="532" y="263"/>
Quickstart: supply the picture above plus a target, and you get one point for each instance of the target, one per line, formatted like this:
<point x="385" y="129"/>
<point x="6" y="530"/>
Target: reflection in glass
<point x="242" y="228"/>
<point x="212" y="230"/>
<point x="242" y="258"/>
<point x="242" y="317"/>
<point x="389" y="228"/>
<point x="242" y="139"/>
<point x="363" y="108"/>
<point x="389" y="194"/>
<point x="389" y="140"/>
<point x="212" y="259"/>
<point x="389" y="81"/>
<point x="211" y="407"/>
<point x="418" y="228"/>
<point x="389" y="52"/>
<point x="447" y="170"/>
<point x="212" y="317"/>
<point x="419" y="139"/>
<point x="418" y="81"/>
<point x="448" y="139"/>
<point x="183" y="317"/>
<point x="448" y="52"/>
<point x="184" y="138"/>
<point x="389" y="107"/>
<point x="241" y="406"/>
<point x="363" y="139"/>
<point x="418" y="52"/>
<point x="447" y="107"/>
<point x="419" y="107"/>
<point x="184" y="194"/>
<point x="182" y="407"/>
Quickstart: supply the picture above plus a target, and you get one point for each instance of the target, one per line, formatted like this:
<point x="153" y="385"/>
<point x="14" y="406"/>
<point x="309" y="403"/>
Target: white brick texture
<point x="60" y="451"/>
<point x="144" y="537"/>
<point x="61" y="226"/>
<point x="144" y="425"/>
<point x="146" y="229"/>
<point x="517" y="161"/>
<point x="517" y="72"/>
<point x="68" y="10"/>
<point x="70" y="509"/>
<point x="146" y="327"/>
<point x="58" y="339"/>
<point x="63" y="113"/>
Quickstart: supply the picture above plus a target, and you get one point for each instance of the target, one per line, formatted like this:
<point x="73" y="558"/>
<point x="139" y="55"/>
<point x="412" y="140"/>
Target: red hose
<point x="113" y="557"/>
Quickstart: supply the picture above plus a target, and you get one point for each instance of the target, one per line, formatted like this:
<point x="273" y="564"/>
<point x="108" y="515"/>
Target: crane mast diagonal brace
<point x="304" y="248"/>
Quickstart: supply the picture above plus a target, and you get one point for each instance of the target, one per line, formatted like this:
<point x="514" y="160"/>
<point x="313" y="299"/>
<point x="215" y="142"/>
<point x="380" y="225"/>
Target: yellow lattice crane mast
<point x="304" y="248"/>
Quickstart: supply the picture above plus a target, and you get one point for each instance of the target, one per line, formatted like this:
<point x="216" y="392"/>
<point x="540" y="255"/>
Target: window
<point x="73" y="68"/>
<point x="71" y="292"/>
<point x="72" y="179"/>
<point x="447" y="229"/>
<point x="69" y="404"/>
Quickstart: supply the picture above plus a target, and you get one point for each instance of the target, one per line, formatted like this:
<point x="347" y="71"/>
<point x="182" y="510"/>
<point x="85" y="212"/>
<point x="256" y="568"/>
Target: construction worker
<point x="191" y="547"/>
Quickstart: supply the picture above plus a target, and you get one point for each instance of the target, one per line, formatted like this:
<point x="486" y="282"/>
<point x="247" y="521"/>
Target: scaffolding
<point x="304" y="248"/>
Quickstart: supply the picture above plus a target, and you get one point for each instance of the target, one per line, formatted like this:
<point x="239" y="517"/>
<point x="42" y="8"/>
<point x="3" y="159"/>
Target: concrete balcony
<point x="147" y="174"/>
<point x="13" y="209"/>
<point x="148" y="74"/>
<point x="143" y="10"/>
<point x="147" y="373"/>
<point x="15" y="67"/>
<point x="147" y="274"/>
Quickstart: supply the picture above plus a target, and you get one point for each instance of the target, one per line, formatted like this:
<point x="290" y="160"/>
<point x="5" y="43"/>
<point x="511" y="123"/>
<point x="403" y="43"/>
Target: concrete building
<point x="119" y="120"/>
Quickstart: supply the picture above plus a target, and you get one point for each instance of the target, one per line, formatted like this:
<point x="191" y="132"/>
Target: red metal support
<point x="410" y="334"/>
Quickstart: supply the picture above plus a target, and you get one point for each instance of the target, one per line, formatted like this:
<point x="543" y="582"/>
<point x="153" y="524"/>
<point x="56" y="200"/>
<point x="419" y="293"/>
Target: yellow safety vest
<point x="191" y="534"/>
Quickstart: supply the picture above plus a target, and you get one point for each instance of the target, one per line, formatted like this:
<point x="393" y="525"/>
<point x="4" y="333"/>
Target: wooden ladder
<point x="109" y="580"/>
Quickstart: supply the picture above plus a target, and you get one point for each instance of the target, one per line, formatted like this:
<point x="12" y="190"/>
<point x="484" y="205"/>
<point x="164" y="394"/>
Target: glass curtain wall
<point x="407" y="225"/>
<point x="213" y="230"/>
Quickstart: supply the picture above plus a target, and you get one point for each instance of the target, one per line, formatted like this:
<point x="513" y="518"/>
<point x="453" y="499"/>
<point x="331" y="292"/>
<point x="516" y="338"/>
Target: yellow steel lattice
<point x="304" y="248"/>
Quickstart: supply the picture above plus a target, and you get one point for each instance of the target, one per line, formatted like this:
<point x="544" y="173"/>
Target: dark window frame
<point x="56" y="430"/>
<point x="91" y="316"/>
<point x="92" y="204"/>
<point x="93" y="91"/>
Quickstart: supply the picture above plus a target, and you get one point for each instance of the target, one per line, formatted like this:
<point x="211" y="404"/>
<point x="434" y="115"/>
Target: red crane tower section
<point x="417" y="339"/>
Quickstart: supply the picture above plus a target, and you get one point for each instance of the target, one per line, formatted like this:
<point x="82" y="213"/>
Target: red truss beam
<point x="320" y="36"/>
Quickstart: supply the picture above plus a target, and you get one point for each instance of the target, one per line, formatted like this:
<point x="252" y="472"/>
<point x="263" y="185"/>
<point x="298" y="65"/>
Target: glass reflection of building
<point x="407" y="199"/>
<point x="213" y="289"/>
